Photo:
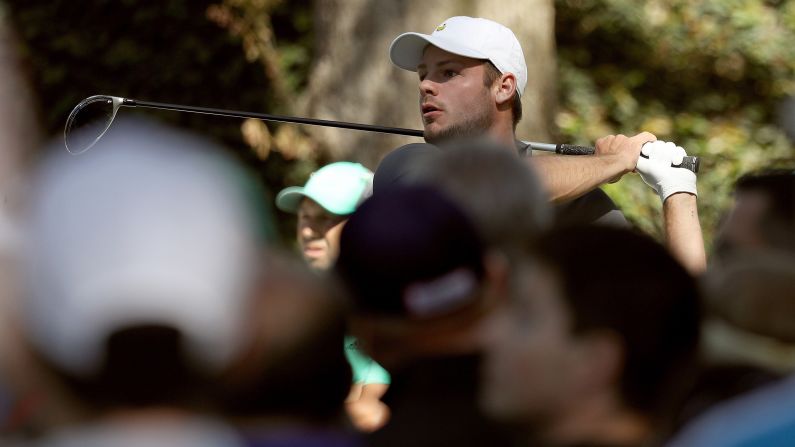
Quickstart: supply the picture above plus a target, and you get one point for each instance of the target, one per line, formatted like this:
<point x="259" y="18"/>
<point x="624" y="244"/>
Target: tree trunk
<point x="353" y="79"/>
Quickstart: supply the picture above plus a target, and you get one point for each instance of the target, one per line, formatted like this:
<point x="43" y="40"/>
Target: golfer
<point x="472" y="74"/>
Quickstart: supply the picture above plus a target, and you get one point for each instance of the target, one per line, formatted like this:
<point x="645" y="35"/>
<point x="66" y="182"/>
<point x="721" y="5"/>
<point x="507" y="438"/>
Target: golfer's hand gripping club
<point x="658" y="166"/>
<point x="688" y="162"/>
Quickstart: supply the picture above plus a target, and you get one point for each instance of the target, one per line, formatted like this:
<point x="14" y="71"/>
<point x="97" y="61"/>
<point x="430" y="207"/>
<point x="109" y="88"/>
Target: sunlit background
<point x="709" y="75"/>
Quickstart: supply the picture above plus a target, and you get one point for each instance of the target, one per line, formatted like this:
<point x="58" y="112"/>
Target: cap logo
<point x="441" y="27"/>
<point x="442" y="295"/>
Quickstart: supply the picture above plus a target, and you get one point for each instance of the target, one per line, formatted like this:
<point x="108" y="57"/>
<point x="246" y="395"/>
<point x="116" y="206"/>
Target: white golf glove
<point x="657" y="172"/>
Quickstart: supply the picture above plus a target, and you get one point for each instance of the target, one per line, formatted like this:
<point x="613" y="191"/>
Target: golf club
<point x="93" y="116"/>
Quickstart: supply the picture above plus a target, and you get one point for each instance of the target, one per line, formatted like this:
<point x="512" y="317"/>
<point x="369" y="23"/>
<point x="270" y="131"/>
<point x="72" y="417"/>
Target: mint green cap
<point x="338" y="187"/>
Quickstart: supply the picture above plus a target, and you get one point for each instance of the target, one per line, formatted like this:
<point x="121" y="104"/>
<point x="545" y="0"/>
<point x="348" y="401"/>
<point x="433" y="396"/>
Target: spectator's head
<point x="500" y="193"/>
<point x="763" y="215"/>
<point x="748" y="339"/>
<point x="472" y="73"/>
<point x="750" y="309"/>
<point x="401" y="165"/>
<point x="292" y="369"/>
<point x="417" y="272"/>
<point x="323" y="205"/>
<point x="138" y="262"/>
<point x="601" y="323"/>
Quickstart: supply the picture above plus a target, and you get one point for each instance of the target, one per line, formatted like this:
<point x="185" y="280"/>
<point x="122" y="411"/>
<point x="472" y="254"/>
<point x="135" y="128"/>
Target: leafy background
<point x="709" y="75"/>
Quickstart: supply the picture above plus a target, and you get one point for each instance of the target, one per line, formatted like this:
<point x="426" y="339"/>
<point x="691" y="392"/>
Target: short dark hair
<point x="653" y="306"/>
<point x="489" y="77"/>
<point x="169" y="378"/>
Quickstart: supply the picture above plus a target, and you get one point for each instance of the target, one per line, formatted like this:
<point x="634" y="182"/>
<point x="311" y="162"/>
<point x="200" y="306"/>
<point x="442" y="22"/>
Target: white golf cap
<point x="152" y="226"/>
<point x="465" y="36"/>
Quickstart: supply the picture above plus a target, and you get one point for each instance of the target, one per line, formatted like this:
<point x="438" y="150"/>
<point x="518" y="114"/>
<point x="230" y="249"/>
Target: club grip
<point x="572" y="149"/>
<point x="690" y="162"/>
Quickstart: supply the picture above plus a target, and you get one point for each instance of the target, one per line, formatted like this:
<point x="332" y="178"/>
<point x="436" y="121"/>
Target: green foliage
<point x="707" y="75"/>
<point x="165" y="51"/>
<point x="292" y="24"/>
<point x="158" y="50"/>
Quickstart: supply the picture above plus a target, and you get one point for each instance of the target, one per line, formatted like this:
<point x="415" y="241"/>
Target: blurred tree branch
<point x="250" y="21"/>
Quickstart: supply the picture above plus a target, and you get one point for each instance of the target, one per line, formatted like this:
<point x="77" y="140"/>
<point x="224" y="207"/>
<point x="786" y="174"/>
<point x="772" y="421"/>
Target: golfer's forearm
<point x="683" y="232"/>
<point x="569" y="177"/>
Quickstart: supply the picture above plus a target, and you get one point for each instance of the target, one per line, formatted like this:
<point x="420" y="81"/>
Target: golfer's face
<point x="318" y="234"/>
<point x="454" y="100"/>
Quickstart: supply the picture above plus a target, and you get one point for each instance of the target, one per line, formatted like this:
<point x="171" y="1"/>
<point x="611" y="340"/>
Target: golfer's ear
<point x="506" y="88"/>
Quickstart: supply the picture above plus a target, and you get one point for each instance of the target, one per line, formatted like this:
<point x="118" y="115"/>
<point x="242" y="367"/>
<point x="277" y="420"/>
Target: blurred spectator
<point x="763" y="215"/>
<point x="752" y="308"/>
<point x="331" y="194"/>
<point x="323" y="205"/>
<point x="746" y="332"/>
<point x="501" y="195"/>
<point x="400" y="165"/>
<point x="753" y="296"/>
<point x="139" y="260"/>
<point x="422" y="282"/>
<point x="716" y="382"/>
<point x="505" y="201"/>
<point x="289" y="384"/>
<point x="590" y="349"/>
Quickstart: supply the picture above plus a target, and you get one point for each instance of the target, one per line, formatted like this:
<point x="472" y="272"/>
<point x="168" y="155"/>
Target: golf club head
<point x="88" y="121"/>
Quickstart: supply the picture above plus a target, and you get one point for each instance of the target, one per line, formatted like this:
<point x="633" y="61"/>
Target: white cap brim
<point x="289" y="199"/>
<point x="407" y="49"/>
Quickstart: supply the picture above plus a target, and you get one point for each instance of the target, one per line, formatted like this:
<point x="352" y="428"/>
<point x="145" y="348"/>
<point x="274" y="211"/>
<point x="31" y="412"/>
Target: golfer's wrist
<point x="617" y="165"/>
<point x="680" y="198"/>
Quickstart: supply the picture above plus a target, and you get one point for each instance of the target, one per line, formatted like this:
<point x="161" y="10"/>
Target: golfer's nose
<point x="428" y="87"/>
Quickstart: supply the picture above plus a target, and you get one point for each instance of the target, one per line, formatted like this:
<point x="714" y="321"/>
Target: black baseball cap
<point x="410" y="251"/>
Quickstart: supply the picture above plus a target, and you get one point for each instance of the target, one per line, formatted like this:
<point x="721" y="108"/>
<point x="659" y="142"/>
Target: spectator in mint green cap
<point x="323" y="206"/>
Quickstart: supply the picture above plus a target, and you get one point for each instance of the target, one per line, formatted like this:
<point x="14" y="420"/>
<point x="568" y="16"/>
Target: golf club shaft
<point x="691" y="163"/>
<point x="269" y="117"/>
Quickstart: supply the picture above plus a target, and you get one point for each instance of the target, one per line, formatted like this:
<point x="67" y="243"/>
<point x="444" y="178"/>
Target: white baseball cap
<point x="465" y="36"/>
<point x="152" y="226"/>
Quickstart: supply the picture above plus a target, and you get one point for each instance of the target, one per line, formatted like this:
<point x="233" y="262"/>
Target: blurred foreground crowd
<point x="441" y="300"/>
